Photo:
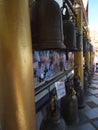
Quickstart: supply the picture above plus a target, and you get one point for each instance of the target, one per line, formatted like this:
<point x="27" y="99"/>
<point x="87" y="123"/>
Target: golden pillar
<point x="17" y="104"/>
<point x="92" y="59"/>
<point x="78" y="56"/>
<point x="87" y="55"/>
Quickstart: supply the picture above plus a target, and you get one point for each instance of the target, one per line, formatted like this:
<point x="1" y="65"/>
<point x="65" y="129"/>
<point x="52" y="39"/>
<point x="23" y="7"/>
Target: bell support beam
<point x="78" y="56"/>
<point x="17" y="104"/>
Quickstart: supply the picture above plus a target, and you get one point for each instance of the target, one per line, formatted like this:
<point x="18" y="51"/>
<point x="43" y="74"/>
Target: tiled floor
<point x="88" y="116"/>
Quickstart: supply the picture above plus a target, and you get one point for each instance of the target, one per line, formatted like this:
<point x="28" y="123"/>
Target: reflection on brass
<point x="17" y="107"/>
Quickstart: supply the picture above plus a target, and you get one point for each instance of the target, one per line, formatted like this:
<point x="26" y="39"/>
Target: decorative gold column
<point x="17" y="104"/>
<point x="92" y="59"/>
<point x="93" y="56"/>
<point x="78" y="56"/>
<point x="87" y="55"/>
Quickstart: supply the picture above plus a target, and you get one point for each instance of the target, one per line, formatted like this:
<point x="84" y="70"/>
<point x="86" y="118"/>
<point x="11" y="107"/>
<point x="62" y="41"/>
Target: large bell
<point x="78" y="40"/>
<point x="91" y="48"/>
<point x="68" y="29"/>
<point x="46" y="25"/>
<point x="69" y="35"/>
<point x="69" y="107"/>
<point x="85" y="46"/>
<point x="86" y="84"/>
<point x="53" y="119"/>
<point x="88" y="46"/>
<point x="79" y="89"/>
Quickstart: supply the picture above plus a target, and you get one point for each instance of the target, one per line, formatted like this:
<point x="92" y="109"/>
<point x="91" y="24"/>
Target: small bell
<point x="86" y="84"/>
<point x="78" y="40"/>
<point x="53" y="119"/>
<point x="69" y="35"/>
<point x="69" y="107"/>
<point x="91" y="48"/>
<point x="85" y="48"/>
<point x="79" y="90"/>
<point x="69" y="30"/>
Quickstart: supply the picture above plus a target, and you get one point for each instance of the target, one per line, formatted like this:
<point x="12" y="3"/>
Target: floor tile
<point x="82" y="117"/>
<point x="86" y="126"/>
<point x="86" y="108"/>
<point x="93" y="113"/>
<point x="92" y="98"/>
<point x="96" y="95"/>
<point x="96" y="123"/>
<point x="92" y="104"/>
<point x="93" y="91"/>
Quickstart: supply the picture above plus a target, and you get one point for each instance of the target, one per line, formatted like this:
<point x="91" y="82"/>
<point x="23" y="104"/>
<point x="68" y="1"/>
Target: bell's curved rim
<point x="60" y="46"/>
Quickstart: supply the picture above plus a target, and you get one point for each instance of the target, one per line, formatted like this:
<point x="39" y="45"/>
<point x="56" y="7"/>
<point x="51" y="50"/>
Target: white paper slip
<point x="60" y="89"/>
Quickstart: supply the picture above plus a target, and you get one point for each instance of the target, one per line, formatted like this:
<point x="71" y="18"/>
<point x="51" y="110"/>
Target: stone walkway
<point x="89" y="114"/>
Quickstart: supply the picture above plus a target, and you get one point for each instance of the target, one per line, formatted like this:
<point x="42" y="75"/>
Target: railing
<point x="47" y="84"/>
